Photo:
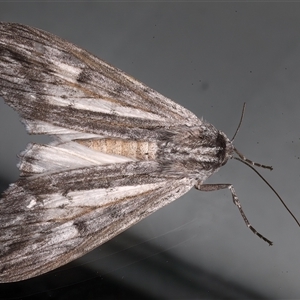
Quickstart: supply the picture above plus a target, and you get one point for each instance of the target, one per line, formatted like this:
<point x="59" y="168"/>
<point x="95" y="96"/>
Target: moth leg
<point x="244" y="158"/>
<point x="236" y="201"/>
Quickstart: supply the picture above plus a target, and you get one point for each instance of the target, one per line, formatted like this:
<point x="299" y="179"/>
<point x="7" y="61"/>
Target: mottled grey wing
<point x="47" y="222"/>
<point x="55" y="85"/>
<point x="70" y="198"/>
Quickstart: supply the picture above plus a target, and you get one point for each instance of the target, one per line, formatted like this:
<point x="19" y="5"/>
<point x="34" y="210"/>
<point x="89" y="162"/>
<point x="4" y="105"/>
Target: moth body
<point x="138" y="150"/>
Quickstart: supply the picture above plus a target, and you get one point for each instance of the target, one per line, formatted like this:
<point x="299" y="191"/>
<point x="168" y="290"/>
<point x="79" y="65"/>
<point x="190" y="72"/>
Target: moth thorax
<point x="140" y="150"/>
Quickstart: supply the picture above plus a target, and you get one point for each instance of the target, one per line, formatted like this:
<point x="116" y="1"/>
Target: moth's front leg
<point x="236" y="201"/>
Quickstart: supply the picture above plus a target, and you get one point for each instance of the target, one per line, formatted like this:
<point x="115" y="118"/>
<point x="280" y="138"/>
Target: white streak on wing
<point x="58" y="206"/>
<point x="62" y="134"/>
<point x="104" y="106"/>
<point x="66" y="233"/>
<point x="113" y="108"/>
<point x="71" y="155"/>
<point x="71" y="73"/>
<point x="98" y="197"/>
<point x="44" y="127"/>
<point x="31" y="204"/>
<point x="66" y="71"/>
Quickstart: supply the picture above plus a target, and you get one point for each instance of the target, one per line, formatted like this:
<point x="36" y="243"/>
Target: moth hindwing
<point x="120" y="152"/>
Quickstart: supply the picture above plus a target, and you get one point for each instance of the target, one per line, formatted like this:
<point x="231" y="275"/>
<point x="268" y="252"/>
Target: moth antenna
<point x="240" y="123"/>
<point x="245" y="161"/>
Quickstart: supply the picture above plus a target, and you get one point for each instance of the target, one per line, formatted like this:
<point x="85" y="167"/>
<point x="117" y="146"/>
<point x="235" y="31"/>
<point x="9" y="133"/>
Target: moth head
<point x="243" y="159"/>
<point x="225" y="148"/>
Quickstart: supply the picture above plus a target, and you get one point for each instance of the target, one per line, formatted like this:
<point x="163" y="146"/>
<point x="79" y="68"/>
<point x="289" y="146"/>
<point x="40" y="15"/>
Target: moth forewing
<point x="120" y="152"/>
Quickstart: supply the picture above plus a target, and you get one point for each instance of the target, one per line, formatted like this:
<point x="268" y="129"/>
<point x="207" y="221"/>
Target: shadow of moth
<point x="120" y="152"/>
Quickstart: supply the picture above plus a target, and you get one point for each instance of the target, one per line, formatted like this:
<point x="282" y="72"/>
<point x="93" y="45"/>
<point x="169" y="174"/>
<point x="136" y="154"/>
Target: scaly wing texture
<point x="49" y="221"/>
<point x="71" y="198"/>
<point x="55" y="85"/>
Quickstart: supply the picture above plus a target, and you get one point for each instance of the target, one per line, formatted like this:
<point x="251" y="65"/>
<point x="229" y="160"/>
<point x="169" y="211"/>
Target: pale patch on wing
<point x="38" y="159"/>
<point x="61" y="134"/>
<point x="101" y="104"/>
<point x="77" y="203"/>
<point x="104" y="106"/>
<point x="66" y="71"/>
<point x="31" y="204"/>
<point x="67" y="232"/>
<point x="40" y="127"/>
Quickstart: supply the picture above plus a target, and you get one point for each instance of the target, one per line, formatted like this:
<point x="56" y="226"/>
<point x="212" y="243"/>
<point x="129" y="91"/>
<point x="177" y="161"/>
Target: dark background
<point x="209" y="57"/>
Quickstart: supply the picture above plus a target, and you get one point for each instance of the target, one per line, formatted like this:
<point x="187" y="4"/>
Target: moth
<point x="120" y="151"/>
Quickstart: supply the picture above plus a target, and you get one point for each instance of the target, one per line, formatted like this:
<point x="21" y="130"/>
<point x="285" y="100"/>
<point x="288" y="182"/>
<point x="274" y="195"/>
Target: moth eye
<point x="221" y="146"/>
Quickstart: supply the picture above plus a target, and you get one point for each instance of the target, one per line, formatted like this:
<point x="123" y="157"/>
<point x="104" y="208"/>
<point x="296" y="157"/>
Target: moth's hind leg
<point x="236" y="201"/>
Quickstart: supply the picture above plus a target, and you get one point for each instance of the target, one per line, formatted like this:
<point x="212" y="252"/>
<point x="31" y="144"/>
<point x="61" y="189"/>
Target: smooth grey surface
<point x="209" y="57"/>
